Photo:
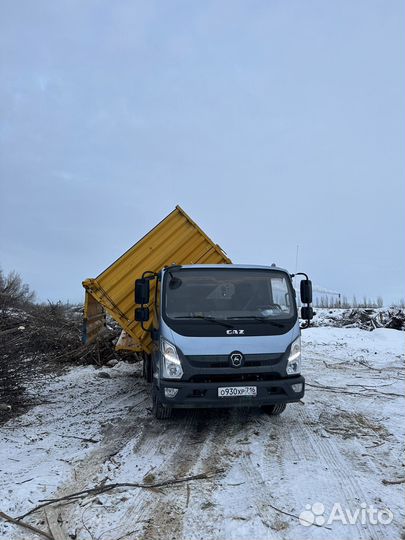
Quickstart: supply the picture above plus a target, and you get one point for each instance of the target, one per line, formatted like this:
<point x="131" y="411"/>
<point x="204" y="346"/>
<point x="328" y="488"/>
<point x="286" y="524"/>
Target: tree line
<point x="15" y="293"/>
<point x="325" y="301"/>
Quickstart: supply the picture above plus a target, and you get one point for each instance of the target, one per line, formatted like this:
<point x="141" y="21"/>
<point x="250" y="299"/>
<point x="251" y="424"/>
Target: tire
<point x="160" y="411"/>
<point x="144" y="367"/>
<point x="274" y="410"/>
<point x="147" y="368"/>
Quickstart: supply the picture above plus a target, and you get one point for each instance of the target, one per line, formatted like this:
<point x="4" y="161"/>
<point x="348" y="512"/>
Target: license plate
<point x="237" y="391"/>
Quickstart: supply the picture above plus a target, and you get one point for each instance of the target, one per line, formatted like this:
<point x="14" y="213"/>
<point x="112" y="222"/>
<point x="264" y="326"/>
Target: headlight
<point x="171" y="362"/>
<point x="294" y="360"/>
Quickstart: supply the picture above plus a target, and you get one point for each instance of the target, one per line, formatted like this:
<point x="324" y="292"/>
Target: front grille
<point x="235" y="377"/>
<point x="222" y="361"/>
<point x="253" y="364"/>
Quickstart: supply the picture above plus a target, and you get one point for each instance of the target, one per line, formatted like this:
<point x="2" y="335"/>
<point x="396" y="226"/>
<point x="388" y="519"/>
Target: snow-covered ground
<point x="338" y="447"/>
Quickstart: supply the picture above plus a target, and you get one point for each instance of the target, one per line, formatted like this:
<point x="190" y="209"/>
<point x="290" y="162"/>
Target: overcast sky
<point x="272" y="123"/>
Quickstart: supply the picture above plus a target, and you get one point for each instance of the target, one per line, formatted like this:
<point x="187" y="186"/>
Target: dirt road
<point x="335" y="448"/>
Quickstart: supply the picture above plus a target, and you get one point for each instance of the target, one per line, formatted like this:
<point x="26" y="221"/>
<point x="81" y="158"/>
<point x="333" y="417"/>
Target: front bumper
<point x="205" y="395"/>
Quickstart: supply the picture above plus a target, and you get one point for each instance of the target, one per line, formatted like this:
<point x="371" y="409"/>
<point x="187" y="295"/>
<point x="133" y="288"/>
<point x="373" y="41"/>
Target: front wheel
<point x="160" y="411"/>
<point x="274" y="410"/>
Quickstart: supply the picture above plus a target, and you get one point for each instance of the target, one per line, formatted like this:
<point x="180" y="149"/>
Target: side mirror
<point x="306" y="291"/>
<point x="142" y="314"/>
<point x="142" y="291"/>
<point x="307" y="313"/>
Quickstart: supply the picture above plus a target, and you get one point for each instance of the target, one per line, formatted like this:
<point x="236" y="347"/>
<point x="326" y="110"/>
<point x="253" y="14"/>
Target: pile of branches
<point x="39" y="339"/>
<point x="370" y="319"/>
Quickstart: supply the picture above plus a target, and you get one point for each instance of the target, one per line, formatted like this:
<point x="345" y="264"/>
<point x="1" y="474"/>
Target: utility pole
<point x="296" y="269"/>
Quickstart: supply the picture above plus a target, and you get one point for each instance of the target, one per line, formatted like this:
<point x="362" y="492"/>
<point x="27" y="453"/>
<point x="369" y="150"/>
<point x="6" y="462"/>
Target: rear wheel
<point x="274" y="410"/>
<point x="160" y="411"/>
<point x="147" y="368"/>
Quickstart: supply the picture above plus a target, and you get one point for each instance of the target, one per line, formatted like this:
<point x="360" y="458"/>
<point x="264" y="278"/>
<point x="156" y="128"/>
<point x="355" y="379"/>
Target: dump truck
<point x="210" y="333"/>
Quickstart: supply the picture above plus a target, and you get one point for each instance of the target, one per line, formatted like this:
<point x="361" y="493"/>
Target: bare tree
<point x="380" y="301"/>
<point x="13" y="292"/>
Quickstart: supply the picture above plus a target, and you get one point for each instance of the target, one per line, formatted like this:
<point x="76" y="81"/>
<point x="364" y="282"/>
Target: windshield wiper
<point x="258" y="318"/>
<point x="206" y="318"/>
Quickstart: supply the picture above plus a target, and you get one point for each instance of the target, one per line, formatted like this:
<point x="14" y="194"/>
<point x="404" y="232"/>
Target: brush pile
<point x="40" y="340"/>
<point x="370" y="319"/>
<point x="364" y="318"/>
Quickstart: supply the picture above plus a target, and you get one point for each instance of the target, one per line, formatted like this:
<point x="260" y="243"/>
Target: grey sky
<point x="272" y="123"/>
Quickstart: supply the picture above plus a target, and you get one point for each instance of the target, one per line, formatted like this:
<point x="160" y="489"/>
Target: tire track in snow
<point x="341" y="481"/>
<point x="168" y="446"/>
<point x="297" y="444"/>
<point x="201" y="445"/>
<point x="197" y="431"/>
<point x="350" y="486"/>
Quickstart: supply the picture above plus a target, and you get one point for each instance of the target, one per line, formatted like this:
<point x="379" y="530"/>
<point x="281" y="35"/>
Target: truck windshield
<point x="229" y="294"/>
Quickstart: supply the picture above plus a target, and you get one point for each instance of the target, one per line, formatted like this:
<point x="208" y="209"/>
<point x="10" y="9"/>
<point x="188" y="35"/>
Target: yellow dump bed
<point x="176" y="239"/>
